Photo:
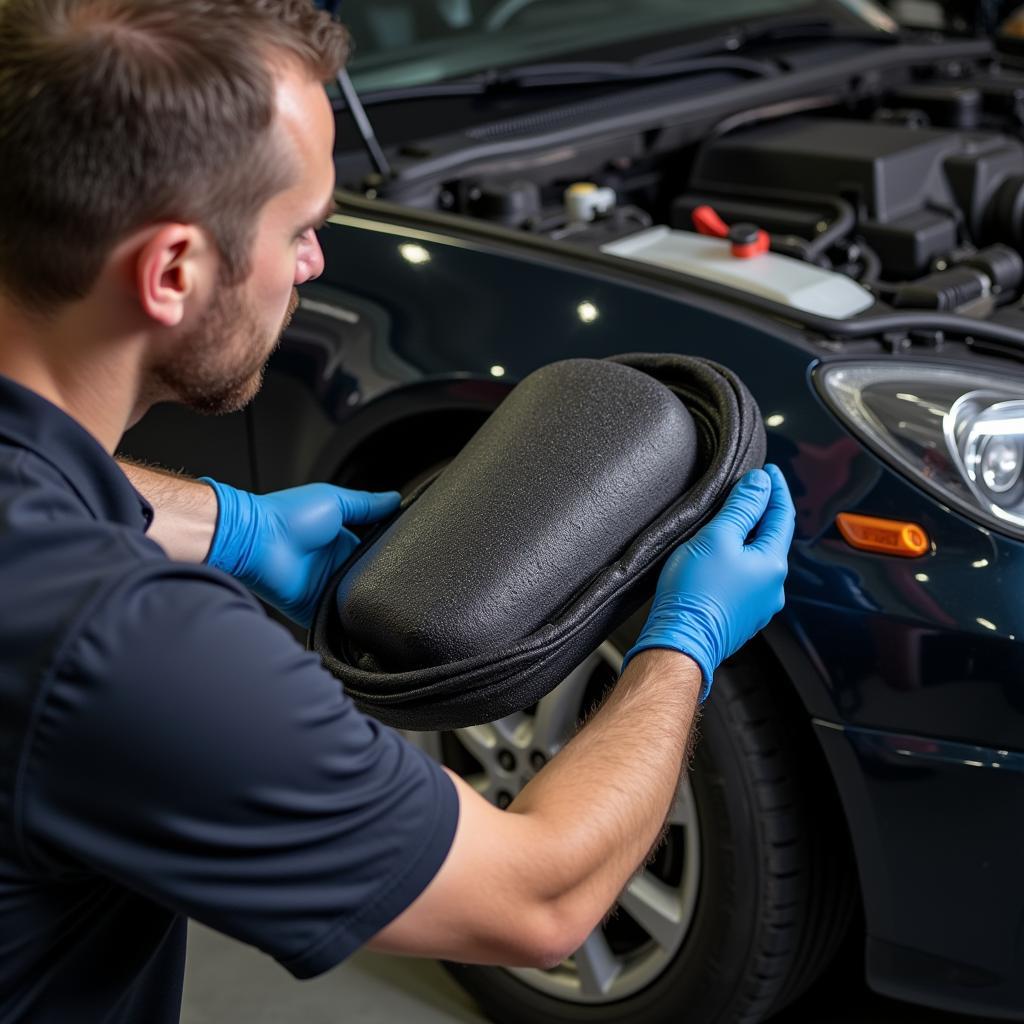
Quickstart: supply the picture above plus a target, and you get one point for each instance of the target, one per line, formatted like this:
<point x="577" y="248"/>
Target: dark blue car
<point x="832" y="206"/>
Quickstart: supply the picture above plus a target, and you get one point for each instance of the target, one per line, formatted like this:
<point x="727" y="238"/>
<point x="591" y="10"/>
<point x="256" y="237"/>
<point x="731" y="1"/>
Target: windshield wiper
<point x="568" y="73"/>
<point x="708" y="55"/>
<point x="783" y="29"/>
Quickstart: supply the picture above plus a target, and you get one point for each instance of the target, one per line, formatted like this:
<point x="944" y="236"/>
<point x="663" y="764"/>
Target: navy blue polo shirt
<point x="168" y="751"/>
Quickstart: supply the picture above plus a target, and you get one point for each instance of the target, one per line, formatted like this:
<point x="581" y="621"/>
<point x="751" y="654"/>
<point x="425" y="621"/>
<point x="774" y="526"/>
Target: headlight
<point x="959" y="433"/>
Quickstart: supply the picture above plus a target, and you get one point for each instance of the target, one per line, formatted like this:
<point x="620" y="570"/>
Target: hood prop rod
<point x="363" y="125"/>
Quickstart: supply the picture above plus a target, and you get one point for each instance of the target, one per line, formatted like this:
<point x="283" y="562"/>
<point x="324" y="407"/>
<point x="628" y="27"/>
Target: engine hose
<point x="544" y="534"/>
<point x="871" y="263"/>
<point x="844" y="220"/>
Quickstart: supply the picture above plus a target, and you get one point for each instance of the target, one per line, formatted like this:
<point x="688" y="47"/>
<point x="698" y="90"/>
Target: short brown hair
<point x="119" y="113"/>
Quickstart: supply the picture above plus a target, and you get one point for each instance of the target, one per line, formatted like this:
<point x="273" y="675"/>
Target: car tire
<point x="776" y="889"/>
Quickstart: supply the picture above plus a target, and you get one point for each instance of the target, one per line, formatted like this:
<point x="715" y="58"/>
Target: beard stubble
<point x="202" y="375"/>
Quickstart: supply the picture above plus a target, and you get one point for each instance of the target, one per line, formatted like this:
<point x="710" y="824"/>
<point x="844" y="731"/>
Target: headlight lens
<point x="959" y="433"/>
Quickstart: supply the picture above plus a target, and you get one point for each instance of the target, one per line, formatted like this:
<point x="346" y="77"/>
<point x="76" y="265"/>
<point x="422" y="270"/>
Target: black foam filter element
<point x="537" y="540"/>
<point x="575" y="463"/>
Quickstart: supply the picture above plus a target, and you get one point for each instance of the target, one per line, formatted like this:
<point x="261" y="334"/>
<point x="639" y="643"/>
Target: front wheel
<point x="744" y="903"/>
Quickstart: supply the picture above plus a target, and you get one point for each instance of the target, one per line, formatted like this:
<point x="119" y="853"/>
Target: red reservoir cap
<point x="747" y="240"/>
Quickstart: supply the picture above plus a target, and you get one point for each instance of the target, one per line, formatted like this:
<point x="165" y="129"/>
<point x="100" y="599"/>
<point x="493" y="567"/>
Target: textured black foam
<point x="570" y="468"/>
<point x="543" y="535"/>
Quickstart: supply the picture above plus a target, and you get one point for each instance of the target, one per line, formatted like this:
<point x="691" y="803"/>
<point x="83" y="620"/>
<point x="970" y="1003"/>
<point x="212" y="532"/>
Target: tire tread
<point x="812" y="893"/>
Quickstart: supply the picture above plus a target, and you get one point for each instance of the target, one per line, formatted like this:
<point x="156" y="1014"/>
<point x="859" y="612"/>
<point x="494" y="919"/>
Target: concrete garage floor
<point x="228" y="983"/>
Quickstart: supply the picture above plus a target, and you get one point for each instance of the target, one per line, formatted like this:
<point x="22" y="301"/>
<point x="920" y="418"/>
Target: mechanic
<point x="166" y="750"/>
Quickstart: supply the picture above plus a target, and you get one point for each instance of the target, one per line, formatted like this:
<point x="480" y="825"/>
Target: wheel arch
<point x="396" y="437"/>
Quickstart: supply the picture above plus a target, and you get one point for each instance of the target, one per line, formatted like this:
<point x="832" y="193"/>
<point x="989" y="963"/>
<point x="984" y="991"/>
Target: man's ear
<point x="174" y="266"/>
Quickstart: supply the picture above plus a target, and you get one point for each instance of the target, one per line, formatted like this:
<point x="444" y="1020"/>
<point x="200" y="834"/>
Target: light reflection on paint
<point x="413" y="253"/>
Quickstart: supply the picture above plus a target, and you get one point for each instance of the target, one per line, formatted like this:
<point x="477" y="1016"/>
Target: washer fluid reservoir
<point x="781" y="279"/>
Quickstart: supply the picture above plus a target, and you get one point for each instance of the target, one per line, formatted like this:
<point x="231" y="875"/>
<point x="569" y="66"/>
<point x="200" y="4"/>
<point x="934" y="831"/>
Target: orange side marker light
<point x="883" y="536"/>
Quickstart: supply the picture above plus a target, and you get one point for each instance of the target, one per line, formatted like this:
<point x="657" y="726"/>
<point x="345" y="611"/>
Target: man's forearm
<point x="601" y="804"/>
<point x="559" y="857"/>
<point x="185" y="510"/>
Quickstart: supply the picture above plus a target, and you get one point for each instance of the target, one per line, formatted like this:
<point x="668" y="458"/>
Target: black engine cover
<point x="910" y="188"/>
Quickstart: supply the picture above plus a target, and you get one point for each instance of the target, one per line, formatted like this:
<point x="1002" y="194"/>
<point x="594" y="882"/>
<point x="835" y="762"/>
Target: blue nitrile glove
<point x="716" y="590"/>
<point x="285" y="546"/>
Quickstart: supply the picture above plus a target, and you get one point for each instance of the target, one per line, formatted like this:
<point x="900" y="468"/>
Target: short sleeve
<point x="189" y="749"/>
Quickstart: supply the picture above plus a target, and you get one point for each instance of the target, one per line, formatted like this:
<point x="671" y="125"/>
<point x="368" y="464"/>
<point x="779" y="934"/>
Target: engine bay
<point x="912" y="199"/>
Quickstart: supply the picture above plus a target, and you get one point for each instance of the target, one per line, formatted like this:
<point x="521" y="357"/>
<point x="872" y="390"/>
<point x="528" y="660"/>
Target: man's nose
<point x="310" y="264"/>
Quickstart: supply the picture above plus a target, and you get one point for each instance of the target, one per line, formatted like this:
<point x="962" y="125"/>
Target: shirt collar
<point x="29" y="421"/>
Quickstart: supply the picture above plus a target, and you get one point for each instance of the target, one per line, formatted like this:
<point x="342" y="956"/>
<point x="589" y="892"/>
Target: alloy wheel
<point x="635" y="944"/>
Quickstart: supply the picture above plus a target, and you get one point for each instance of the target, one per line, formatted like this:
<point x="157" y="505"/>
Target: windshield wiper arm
<point x="738" y="38"/>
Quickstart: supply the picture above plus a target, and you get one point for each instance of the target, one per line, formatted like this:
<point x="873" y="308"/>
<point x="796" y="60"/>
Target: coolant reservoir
<point x="782" y="279"/>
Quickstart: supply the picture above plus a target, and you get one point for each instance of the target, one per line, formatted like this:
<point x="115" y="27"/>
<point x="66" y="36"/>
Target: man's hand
<point x="285" y="546"/>
<point x="716" y="590"/>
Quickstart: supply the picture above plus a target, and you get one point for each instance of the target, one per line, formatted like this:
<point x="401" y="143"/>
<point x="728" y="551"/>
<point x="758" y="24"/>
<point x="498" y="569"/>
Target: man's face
<point x="216" y="366"/>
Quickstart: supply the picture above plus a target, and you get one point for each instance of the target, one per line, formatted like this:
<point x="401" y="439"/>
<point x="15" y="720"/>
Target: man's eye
<point x="311" y="230"/>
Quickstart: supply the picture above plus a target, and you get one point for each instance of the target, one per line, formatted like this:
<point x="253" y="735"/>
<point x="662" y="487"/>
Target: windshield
<point x="411" y="42"/>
